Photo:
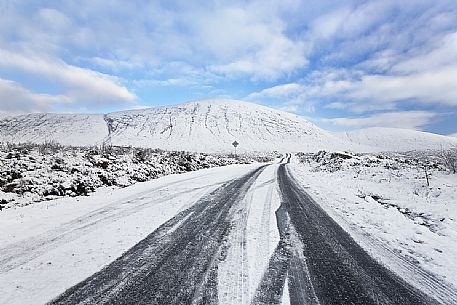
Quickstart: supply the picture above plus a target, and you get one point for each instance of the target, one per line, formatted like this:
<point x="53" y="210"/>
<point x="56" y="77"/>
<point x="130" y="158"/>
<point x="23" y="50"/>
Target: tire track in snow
<point x="177" y="267"/>
<point x="341" y="272"/>
<point x="249" y="244"/>
<point x="17" y="254"/>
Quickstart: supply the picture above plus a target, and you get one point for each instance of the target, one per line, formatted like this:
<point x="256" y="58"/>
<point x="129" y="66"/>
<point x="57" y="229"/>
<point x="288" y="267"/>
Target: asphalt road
<point x="178" y="263"/>
<point x="327" y="263"/>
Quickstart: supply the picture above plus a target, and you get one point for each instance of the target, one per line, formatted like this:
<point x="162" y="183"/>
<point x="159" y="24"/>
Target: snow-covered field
<point x="386" y="205"/>
<point x="33" y="173"/>
<point x="47" y="247"/>
<point x="381" y="200"/>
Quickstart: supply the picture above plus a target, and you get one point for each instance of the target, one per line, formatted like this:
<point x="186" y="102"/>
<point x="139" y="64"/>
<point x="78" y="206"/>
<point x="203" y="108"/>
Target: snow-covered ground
<point x="381" y="200"/>
<point x="397" y="139"/>
<point x="33" y="173"/>
<point x="47" y="247"/>
<point x="386" y="205"/>
<point x="252" y="240"/>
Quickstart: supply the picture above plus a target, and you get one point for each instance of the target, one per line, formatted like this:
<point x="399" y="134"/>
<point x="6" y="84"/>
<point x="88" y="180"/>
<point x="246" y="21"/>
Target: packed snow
<point x="252" y="240"/>
<point x="384" y="202"/>
<point x="396" y="139"/>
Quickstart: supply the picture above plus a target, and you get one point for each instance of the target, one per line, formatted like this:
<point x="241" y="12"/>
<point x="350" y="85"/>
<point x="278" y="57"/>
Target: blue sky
<point x="342" y="64"/>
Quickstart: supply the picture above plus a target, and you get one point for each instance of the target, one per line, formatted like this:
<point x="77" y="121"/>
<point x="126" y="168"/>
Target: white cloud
<point x="242" y="41"/>
<point x="15" y="98"/>
<point x="425" y="76"/>
<point x="164" y="82"/>
<point x="399" y="119"/>
<point x="440" y="53"/>
<point x="291" y="97"/>
<point x="429" y="87"/>
<point x="237" y="39"/>
<point x="115" y="64"/>
<point x="279" y="91"/>
<point x="326" y="26"/>
<point x="81" y="85"/>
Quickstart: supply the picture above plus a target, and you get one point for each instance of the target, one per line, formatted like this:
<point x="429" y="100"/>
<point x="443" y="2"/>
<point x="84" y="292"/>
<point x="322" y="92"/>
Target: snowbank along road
<point x="255" y="239"/>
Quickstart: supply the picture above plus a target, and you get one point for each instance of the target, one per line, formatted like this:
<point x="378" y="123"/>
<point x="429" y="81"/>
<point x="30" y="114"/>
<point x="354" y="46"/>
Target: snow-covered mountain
<point x="209" y="126"/>
<point x="213" y="125"/>
<point x="396" y="139"/>
<point x="206" y="125"/>
<point x="68" y="129"/>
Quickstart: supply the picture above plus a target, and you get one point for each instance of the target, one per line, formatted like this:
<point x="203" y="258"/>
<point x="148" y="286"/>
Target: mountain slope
<point x="207" y="125"/>
<point x="212" y="125"/>
<point x="68" y="129"/>
<point x="395" y="139"/>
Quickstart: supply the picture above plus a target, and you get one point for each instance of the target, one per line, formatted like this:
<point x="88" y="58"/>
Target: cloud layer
<point x="348" y="61"/>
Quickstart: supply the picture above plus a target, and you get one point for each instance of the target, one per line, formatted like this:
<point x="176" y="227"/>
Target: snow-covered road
<point x="242" y="234"/>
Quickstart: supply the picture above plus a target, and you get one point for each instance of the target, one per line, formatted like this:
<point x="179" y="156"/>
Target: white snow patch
<point x="251" y="241"/>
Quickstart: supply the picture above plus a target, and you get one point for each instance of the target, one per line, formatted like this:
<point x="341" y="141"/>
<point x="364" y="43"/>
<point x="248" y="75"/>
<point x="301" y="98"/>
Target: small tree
<point x="449" y="159"/>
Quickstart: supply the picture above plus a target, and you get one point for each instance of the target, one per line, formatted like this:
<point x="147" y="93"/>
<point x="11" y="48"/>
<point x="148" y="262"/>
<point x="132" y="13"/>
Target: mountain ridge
<point x="209" y="125"/>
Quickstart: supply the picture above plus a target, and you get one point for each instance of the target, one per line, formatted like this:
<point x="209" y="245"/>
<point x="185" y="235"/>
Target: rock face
<point x="207" y="126"/>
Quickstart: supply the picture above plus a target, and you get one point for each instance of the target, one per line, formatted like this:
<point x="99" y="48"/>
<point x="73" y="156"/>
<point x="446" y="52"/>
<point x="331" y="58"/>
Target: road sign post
<point x="235" y="144"/>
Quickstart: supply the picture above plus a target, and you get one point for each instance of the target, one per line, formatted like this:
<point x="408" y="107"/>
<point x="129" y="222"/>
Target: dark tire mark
<point x="286" y="262"/>
<point x="341" y="272"/>
<point x="176" y="264"/>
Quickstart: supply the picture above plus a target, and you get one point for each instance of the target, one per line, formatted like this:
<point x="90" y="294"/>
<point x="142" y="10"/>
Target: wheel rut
<point x="176" y="264"/>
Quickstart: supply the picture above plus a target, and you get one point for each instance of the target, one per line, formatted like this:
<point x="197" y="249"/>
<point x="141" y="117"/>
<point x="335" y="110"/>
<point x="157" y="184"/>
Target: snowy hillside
<point x="395" y="139"/>
<point x="67" y="129"/>
<point x="209" y="126"/>
<point x="212" y="125"/>
<point x="206" y="126"/>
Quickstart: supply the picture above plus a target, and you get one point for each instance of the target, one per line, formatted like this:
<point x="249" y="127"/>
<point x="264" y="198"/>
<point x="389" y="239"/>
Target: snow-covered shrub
<point x="48" y="147"/>
<point x="449" y="159"/>
<point x="36" y="172"/>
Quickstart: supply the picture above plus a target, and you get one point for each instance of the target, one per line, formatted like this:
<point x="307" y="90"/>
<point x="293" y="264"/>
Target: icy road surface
<point x="236" y="235"/>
